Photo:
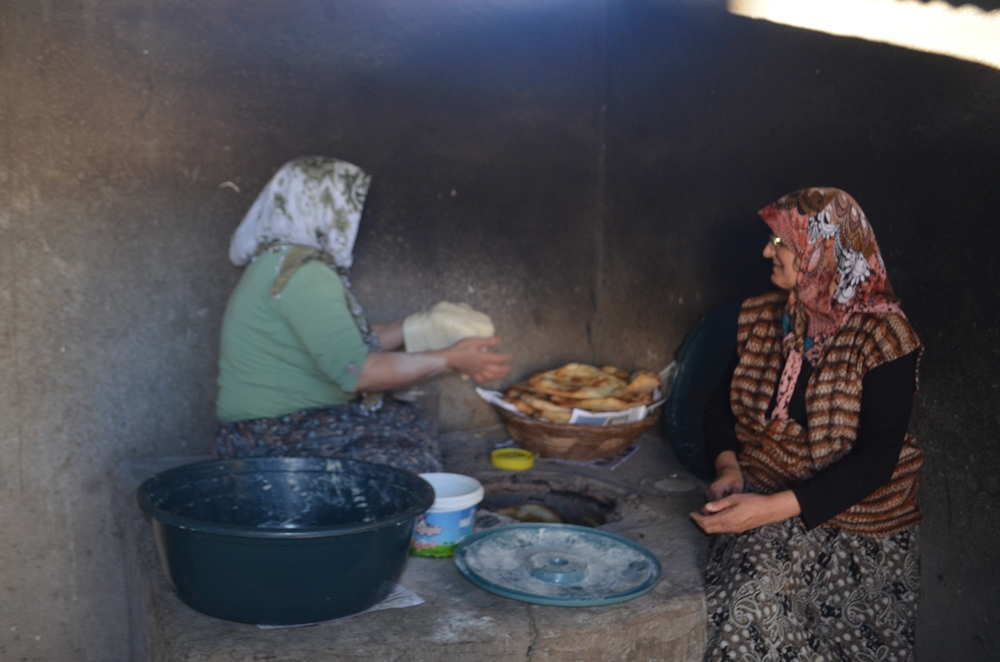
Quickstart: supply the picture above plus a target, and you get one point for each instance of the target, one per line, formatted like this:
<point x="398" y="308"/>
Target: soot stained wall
<point x="587" y="173"/>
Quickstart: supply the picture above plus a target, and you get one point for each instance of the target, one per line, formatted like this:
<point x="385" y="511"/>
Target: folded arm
<point x="886" y="402"/>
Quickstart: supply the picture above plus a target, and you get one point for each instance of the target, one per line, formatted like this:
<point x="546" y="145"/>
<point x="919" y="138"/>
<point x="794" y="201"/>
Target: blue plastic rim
<point x="558" y="568"/>
<point x="284" y="497"/>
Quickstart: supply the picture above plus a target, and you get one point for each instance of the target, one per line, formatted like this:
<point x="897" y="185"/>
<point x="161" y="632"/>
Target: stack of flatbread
<point x="553" y="394"/>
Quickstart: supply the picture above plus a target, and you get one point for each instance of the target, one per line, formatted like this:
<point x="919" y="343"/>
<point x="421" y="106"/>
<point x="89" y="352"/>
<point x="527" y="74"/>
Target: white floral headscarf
<point x="313" y="204"/>
<point x="311" y="201"/>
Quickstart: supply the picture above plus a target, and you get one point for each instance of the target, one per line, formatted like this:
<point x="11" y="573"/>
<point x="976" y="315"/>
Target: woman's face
<point x="785" y="271"/>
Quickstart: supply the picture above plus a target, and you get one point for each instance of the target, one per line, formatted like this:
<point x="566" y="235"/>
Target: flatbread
<point x="617" y="372"/>
<point x="605" y="404"/>
<point x="522" y="406"/>
<point x="541" y="404"/>
<point x="553" y="394"/>
<point x="643" y="381"/>
<point x="557" y="416"/>
<point x="579" y="382"/>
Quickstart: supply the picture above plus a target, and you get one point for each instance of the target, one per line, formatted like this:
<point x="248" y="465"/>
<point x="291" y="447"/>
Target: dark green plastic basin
<point x="283" y="541"/>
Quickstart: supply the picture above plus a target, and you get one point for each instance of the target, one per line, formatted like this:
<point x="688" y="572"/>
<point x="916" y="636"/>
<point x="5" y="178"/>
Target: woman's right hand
<point x="472" y="357"/>
<point x="728" y="477"/>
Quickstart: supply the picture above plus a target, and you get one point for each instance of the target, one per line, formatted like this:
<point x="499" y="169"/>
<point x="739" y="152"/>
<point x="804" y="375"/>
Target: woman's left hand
<point x="737" y="513"/>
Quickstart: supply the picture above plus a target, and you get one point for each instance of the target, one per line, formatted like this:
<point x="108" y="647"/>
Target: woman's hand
<point x="471" y="357"/>
<point x="737" y="513"/>
<point x="728" y="477"/>
<point x="384" y="371"/>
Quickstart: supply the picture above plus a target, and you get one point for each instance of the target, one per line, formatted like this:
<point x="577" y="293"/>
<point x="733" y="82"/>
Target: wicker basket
<point x="573" y="442"/>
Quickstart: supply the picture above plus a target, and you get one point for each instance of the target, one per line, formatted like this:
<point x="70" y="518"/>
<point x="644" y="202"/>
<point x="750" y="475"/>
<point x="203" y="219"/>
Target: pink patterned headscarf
<point x="841" y="272"/>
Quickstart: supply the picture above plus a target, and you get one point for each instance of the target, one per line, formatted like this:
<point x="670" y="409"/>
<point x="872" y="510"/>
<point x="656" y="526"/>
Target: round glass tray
<point x="558" y="564"/>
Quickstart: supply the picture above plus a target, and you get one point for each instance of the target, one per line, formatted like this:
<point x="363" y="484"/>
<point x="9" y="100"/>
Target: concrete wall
<point x="586" y="172"/>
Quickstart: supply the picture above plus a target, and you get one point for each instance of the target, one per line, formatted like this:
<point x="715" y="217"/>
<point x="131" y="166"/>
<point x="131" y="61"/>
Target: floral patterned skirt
<point x="397" y="434"/>
<point x="781" y="594"/>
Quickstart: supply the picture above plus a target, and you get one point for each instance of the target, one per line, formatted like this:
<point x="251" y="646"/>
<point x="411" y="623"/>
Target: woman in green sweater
<point x="301" y="371"/>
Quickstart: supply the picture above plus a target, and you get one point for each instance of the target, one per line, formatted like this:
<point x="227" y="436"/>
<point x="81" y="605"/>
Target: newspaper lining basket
<point x="573" y="442"/>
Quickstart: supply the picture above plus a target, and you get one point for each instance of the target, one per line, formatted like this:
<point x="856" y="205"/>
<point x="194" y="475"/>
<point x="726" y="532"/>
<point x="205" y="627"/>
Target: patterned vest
<point x="776" y="455"/>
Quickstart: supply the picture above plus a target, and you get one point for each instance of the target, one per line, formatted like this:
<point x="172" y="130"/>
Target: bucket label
<point x="438" y="534"/>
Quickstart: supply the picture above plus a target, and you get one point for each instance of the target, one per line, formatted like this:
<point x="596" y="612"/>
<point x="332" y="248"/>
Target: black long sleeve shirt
<point x="886" y="401"/>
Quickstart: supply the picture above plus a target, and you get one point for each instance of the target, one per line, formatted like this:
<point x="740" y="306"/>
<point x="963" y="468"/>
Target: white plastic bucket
<point x="449" y="520"/>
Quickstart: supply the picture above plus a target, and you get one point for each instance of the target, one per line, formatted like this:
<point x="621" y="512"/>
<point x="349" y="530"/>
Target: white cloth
<point x="443" y="326"/>
<point x="311" y="201"/>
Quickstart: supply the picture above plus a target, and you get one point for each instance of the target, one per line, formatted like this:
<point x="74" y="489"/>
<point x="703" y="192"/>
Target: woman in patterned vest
<point x="813" y="510"/>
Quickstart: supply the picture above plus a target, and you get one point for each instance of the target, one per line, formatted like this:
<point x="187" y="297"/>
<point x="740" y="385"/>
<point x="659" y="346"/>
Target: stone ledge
<point x="458" y="621"/>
